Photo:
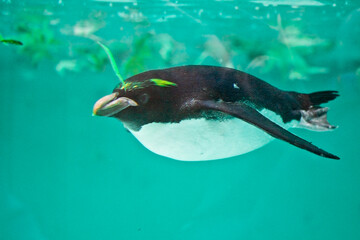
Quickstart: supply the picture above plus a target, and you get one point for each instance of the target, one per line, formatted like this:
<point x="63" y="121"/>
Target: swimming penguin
<point x="198" y="112"/>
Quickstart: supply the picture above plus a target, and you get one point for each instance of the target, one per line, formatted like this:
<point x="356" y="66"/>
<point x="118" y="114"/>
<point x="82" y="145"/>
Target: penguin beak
<point x="110" y="105"/>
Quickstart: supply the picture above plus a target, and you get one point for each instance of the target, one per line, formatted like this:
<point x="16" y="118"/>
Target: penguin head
<point x="137" y="102"/>
<point x="139" y="99"/>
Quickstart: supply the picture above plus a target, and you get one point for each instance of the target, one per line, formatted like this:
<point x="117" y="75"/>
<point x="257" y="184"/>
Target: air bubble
<point x="200" y="12"/>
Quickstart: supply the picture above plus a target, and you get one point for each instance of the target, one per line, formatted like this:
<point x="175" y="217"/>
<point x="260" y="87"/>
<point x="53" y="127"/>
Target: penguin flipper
<point x="250" y="115"/>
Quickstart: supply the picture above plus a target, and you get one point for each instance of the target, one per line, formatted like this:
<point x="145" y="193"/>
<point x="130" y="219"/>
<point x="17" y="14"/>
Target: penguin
<point x="198" y="112"/>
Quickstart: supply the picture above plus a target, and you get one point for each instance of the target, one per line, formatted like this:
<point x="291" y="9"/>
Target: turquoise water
<point x="67" y="175"/>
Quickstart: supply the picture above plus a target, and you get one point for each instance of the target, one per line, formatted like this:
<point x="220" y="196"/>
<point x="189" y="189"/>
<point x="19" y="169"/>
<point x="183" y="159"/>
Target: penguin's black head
<point x="136" y="103"/>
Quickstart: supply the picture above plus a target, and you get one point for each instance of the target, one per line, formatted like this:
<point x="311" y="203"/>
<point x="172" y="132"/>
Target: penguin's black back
<point x="193" y="82"/>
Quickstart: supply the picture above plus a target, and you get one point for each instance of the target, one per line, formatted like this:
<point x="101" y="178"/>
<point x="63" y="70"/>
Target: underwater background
<point x="67" y="175"/>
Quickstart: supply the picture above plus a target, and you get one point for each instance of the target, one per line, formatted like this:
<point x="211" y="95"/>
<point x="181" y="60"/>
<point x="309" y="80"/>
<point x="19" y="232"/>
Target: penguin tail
<point x="313" y="116"/>
<point x="317" y="98"/>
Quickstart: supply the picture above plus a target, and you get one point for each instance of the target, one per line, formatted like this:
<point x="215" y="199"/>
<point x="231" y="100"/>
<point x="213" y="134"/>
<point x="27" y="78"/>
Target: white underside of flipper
<point x="201" y="139"/>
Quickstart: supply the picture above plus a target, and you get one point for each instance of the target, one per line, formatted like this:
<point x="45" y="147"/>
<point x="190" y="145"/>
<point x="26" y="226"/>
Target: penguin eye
<point x="144" y="98"/>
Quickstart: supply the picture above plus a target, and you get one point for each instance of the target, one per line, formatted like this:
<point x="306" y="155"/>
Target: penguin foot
<point x="316" y="119"/>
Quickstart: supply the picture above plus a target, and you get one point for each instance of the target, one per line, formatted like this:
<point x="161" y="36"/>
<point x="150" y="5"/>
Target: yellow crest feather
<point x="162" y="83"/>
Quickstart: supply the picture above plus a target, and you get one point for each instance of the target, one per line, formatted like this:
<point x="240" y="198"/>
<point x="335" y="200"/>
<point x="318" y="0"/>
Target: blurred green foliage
<point x="87" y="27"/>
<point x="152" y="50"/>
<point x="141" y="52"/>
<point x="38" y="37"/>
<point x="89" y="58"/>
<point x="290" y="55"/>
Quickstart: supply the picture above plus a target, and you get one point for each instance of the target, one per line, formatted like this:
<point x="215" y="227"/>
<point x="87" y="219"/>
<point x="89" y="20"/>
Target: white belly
<point x="201" y="139"/>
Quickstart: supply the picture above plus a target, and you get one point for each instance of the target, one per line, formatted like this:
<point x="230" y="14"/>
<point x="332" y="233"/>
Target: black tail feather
<point x="318" y="98"/>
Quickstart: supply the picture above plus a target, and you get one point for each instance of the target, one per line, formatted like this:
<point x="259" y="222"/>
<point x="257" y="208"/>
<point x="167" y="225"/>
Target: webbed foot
<point x="316" y="119"/>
